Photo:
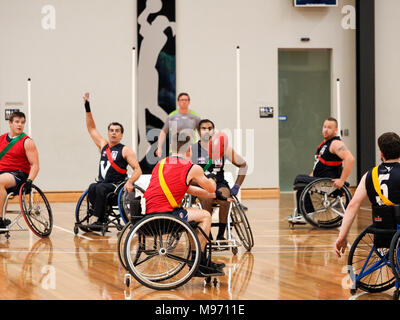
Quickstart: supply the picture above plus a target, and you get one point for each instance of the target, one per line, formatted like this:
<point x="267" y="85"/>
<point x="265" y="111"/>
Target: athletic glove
<point x="28" y="186"/>
<point x="235" y="190"/>
<point x="87" y="106"/>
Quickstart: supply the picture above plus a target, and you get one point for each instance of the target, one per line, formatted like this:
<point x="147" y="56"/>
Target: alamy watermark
<point x="349" y="21"/>
<point x="49" y="17"/>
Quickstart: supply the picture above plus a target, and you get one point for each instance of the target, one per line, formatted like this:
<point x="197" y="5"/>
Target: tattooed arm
<point x="339" y="148"/>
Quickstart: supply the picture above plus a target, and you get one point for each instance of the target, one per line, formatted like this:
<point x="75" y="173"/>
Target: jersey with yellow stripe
<point x="389" y="181"/>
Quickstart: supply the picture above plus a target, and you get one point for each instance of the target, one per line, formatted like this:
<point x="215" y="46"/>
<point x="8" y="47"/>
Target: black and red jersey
<point x="106" y="171"/>
<point x="327" y="164"/>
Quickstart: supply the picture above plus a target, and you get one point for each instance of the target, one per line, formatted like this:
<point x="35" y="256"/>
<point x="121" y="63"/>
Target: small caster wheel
<point x="7" y="235"/>
<point x="103" y="231"/>
<point x="215" y="282"/>
<point x="396" y="295"/>
<point x="291" y="225"/>
<point x="76" y="230"/>
<point x="353" y="291"/>
<point x="207" y="280"/>
<point x="235" y="250"/>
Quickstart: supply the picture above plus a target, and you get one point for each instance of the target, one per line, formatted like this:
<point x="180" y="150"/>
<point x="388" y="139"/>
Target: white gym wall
<point x="90" y="50"/>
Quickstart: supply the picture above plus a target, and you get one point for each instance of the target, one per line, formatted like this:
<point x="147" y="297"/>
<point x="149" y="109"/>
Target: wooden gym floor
<point x="284" y="264"/>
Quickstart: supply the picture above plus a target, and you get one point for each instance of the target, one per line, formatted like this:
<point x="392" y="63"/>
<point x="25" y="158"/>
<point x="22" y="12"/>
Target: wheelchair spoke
<point x="174" y="257"/>
<point x="149" y="256"/>
<point x="312" y="214"/>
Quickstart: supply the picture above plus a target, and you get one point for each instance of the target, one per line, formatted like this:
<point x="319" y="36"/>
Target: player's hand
<point x="128" y="187"/>
<point x="338" y="183"/>
<point x="235" y="189"/>
<point x="340" y="247"/>
<point x="28" y="186"/>
<point x="86" y="100"/>
<point x="220" y="196"/>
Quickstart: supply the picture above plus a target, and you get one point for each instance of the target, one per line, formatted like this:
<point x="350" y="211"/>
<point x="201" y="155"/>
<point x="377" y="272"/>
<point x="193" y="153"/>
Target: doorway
<point x="304" y="103"/>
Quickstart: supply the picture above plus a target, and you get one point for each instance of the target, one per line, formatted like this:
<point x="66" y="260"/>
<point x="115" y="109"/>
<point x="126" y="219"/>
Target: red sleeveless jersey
<point x="15" y="159"/>
<point x="175" y="172"/>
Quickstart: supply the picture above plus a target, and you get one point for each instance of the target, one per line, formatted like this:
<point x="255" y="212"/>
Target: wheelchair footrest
<point x="199" y="274"/>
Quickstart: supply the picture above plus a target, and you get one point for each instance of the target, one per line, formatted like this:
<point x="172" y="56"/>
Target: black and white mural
<point x="156" y="74"/>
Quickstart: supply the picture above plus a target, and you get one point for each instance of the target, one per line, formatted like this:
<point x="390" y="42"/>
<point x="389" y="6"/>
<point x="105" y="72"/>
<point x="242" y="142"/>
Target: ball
<point x="217" y="145"/>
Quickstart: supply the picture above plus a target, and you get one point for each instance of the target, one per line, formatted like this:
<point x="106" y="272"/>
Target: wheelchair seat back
<point x="385" y="220"/>
<point x="301" y="181"/>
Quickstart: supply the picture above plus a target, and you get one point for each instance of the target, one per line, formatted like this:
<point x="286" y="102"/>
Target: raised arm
<point x="129" y="155"/>
<point x="160" y="142"/>
<point x="339" y="148"/>
<point x="91" y="126"/>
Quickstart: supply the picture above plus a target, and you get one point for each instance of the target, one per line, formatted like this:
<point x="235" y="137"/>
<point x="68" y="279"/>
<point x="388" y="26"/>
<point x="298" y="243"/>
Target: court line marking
<point x="68" y="231"/>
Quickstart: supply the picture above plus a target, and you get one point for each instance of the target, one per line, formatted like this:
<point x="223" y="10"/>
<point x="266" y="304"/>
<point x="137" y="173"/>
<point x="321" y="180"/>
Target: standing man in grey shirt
<point x="181" y="120"/>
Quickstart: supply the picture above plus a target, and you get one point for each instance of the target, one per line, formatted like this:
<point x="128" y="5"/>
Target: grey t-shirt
<point x="178" y="122"/>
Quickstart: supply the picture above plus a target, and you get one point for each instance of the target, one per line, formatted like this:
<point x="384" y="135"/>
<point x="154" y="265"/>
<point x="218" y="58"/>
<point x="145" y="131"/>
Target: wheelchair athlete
<point x="115" y="157"/>
<point x="19" y="160"/>
<point x="378" y="185"/>
<point x="214" y="168"/>
<point x="171" y="179"/>
<point x="332" y="160"/>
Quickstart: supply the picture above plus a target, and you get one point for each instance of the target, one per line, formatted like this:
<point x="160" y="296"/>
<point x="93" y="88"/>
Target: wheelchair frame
<point x="300" y="216"/>
<point x="231" y="242"/>
<point x="387" y="257"/>
<point x="115" y="212"/>
<point x="25" y="211"/>
<point x="162" y="243"/>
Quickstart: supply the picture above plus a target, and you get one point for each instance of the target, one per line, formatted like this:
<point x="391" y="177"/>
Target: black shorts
<point x="19" y="176"/>
<point x="223" y="184"/>
<point x="179" y="212"/>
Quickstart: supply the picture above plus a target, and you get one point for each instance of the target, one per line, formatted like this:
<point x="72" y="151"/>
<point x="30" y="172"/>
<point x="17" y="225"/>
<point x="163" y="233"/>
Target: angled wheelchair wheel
<point x="323" y="205"/>
<point x="36" y="211"/>
<point x="83" y="213"/>
<point x="394" y="255"/>
<point x="124" y="202"/>
<point x="162" y="252"/>
<point x="241" y="224"/>
<point x="370" y="267"/>
<point x="121" y="243"/>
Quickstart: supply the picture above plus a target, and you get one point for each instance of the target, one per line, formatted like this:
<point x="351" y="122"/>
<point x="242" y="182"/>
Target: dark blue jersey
<point x="106" y="172"/>
<point x="200" y="157"/>
<point x="389" y="180"/>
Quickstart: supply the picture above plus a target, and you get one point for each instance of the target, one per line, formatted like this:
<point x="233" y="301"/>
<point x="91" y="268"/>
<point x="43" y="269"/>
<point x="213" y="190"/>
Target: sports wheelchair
<point x="33" y="206"/>
<point x="320" y="203"/>
<point x="373" y="262"/>
<point x="116" y="210"/>
<point x="161" y="251"/>
<point x="237" y="219"/>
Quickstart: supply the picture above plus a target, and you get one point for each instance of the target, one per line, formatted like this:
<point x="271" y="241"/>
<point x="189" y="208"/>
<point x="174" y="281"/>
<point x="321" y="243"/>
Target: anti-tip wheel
<point x="215" y="282"/>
